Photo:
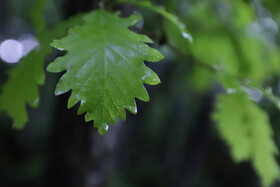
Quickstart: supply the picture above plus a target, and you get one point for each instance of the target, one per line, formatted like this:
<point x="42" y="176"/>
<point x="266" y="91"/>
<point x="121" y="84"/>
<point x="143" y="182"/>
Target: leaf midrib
<point x="104" y="62"/>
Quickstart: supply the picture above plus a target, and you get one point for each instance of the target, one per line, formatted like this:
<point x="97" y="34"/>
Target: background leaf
<point x="24" y="79"/>
<point x="245" y="127"/>
<point x="175" y="30"/>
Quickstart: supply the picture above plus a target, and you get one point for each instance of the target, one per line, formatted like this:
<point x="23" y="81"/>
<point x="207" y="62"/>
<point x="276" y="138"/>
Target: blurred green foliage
<point x="246" y="129"/>
<point x="234" y="56"/>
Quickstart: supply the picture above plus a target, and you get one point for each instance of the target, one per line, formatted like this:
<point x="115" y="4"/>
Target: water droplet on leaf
<point x="187" y="36"/>
<point x="231" y="91"/>
<point x="103" y="129"/>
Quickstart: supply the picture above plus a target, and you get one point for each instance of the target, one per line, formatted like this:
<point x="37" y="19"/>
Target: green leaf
<point x="245" y="127"/>
<point x="22" y="87"/>
<point x="175" y="29"/>
<point x="177" y="37"/>
<point x="24" y="79"/>
<point x="105" y="68"/>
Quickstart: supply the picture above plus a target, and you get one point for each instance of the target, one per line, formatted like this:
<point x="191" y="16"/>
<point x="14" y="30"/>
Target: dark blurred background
<point x="170" y="142"/>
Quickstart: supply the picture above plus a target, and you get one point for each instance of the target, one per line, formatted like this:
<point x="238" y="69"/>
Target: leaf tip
<point x="18" y="125"/>
<point x="134" y="19"/>
<point x="132" y="109"/>
<point x="58" y="92"/>
<point x="50" y="68"/>
<point x="58" y="45"/>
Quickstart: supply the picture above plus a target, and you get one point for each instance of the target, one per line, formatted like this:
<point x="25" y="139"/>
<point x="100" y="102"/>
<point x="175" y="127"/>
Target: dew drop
<point x="36" y="101"/>
<point x="78" y="96"/>
<point x="58" y="45"/>
<point x="58" y="93"/>
<point x="231" y="91"/>
<point x="187" y="36"/>
<point x="133" y="108"/>
<point x="103" y="129"/>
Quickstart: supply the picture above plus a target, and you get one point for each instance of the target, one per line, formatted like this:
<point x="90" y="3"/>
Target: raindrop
<point x="60" y="49"/>
<point x="36" y="101"/>
<point x="78" y="96"/>
<point x="231" y="91"/>
<point x="133" y="108"/>
<point x="253" y="93"/>
<point x="106" y="127"/>
<point x="58" y="45"/>
<point x="103" y="129"/>
<point x="187" y="36"/>
<point x="58" y="93"/>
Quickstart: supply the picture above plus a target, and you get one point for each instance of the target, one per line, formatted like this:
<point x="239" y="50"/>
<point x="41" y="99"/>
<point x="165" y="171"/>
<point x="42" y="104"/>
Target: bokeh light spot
<point x="28" y="42"/>
<point x="11" y="51"/>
